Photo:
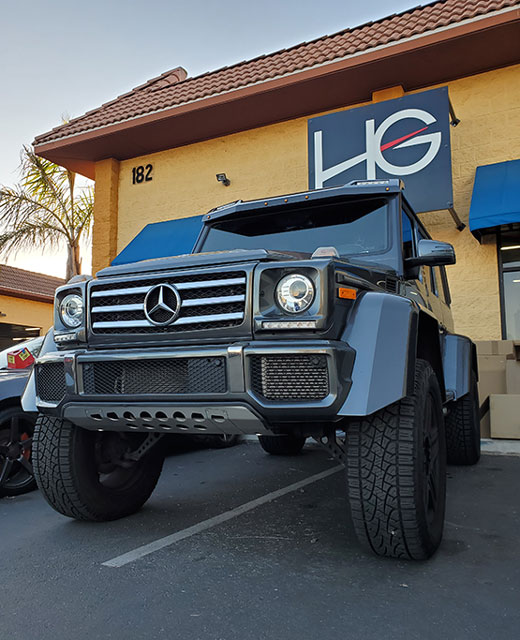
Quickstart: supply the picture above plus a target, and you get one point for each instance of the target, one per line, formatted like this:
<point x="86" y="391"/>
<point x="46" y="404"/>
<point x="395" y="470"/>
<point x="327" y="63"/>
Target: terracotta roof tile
<point x="30" y="282"/>
<point x="174" y="88"/>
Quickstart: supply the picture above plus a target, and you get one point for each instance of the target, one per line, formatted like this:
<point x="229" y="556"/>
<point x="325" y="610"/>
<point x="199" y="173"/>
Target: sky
<point x="61" y="58"/>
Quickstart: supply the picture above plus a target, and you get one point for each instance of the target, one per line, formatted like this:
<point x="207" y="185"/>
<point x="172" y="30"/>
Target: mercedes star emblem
<point x="162" y="304"/>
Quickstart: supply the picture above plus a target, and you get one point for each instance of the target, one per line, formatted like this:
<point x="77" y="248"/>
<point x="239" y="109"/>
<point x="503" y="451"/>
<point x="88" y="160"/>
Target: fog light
<point x="290" y="324"/>
<point x="65" y="337"/>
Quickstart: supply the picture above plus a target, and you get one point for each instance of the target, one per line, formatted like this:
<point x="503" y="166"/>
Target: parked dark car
<point x="16" y="426"/>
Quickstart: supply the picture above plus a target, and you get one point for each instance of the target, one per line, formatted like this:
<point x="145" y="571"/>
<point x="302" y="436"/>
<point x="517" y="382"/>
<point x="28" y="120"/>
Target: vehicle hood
<point x="13" y="374"/>
<point x="12" y="382"/>
<point x="218" y="258"/>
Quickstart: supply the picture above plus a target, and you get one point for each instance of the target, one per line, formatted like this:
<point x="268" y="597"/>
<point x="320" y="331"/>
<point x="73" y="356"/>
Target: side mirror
<point x="432" y="253"/>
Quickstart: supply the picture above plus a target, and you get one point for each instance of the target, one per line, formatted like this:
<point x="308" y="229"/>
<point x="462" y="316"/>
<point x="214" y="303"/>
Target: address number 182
<point x="142" y="174"/>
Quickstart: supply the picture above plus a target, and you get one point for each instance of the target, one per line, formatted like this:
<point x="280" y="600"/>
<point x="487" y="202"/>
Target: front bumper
<point x="259" y="386"/>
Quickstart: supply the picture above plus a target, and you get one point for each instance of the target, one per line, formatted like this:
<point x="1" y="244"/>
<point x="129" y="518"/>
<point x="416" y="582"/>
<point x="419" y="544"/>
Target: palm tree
<point x="46" y="209"/>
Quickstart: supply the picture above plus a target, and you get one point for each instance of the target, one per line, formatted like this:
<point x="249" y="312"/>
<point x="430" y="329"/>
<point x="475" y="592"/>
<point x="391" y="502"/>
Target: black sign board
<point x="406" y="138"/>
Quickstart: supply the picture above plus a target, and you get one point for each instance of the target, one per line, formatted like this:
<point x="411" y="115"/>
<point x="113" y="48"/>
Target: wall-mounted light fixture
<point x="221" y="177"/>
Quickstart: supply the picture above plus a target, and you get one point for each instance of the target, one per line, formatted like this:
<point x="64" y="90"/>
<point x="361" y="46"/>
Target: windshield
<point x="355" y="227"/>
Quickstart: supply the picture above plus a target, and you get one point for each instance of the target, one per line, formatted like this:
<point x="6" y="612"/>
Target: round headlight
<point x="295" y="293"/>
<point x="71" y="310"/>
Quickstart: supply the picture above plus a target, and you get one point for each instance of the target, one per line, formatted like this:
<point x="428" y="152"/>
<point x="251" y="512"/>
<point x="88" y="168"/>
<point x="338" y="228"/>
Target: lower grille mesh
<point x="50" y="381"/>
<point x="290" y="377"/>
<point x="155" y="376"/>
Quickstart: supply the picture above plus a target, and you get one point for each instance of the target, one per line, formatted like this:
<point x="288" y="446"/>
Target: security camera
<point x="221" y="177"/>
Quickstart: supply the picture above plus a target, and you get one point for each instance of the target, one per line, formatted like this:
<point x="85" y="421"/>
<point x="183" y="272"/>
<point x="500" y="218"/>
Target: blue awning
<point x="496" y="197"/>
<point x="161" y="240"/>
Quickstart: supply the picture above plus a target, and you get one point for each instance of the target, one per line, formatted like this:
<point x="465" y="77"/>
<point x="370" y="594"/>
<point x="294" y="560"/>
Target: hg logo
<point x="374" y="148"/>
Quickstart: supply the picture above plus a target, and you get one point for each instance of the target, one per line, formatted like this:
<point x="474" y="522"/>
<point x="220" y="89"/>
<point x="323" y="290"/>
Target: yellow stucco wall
<point x="260" y="163"/>
<point x="272" y="160"/>
<point x="104" y="232"/>
<point x="489" y="108"/>
<point x="27" y="312"/>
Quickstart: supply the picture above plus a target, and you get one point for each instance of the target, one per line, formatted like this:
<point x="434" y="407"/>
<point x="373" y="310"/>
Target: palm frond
<point x="29" y="236"/>
<point x="45" y="181"/>
<point x="45" y="209"/>
<point x="84" y="212"/>
<point x="18" y="207"/>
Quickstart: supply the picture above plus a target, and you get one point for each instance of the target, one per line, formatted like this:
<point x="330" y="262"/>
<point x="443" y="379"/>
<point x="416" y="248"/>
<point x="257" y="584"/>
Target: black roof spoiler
<point x="356" y="187"/>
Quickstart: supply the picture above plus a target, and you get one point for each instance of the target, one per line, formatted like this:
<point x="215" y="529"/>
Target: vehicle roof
<point x="326" y="195"/>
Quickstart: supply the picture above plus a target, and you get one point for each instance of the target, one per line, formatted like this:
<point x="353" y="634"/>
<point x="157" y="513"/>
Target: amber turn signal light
<point x="347" y="294"/>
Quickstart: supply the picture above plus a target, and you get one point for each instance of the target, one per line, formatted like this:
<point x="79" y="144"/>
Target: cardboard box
<point x="505" y="416"/>
<point x="492" y="376"/>
<point x="508" y="348"/>
<point x="485" y="425"/>
<point x="513" y="376"/>
<point x="484" y="347"/>
<point x="504" y="348"/>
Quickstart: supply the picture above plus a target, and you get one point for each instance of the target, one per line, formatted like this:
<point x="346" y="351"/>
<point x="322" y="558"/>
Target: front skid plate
<point x="195" y="419"/>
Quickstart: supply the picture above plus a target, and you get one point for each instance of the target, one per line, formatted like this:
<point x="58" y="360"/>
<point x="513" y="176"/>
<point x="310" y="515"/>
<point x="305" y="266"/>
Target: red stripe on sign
<point x="394" y="142"/>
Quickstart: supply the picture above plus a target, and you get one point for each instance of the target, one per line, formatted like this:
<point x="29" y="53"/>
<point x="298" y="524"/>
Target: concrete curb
<point x="501" y="447"/>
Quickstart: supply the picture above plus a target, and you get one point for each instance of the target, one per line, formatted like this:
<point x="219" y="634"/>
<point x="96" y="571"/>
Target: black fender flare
<point x="429" y="347"/>
<point x="382" y="329"/>
<point x="388" y="334"/>
<point x="459" y="357"/>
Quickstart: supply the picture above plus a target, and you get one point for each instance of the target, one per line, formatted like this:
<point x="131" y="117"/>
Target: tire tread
<point x="380" y="464"/>
<point x="52" y="468"/>
<point x="462" y="443"/>
<point x="55" y="473"/>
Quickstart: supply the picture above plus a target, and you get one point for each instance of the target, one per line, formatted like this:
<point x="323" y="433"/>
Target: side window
<point x="420" y="235"/>
<point x="445" y="286"/>
<point x="433" y="281"/>
<point x="408" y="237"/>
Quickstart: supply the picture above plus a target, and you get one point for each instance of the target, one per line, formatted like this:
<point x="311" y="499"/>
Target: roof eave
<point x="26" y="295"/>
<point x="80" y="151"/>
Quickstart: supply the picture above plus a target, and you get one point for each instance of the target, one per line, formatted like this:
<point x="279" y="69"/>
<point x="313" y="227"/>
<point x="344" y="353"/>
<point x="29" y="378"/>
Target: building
<point x="26" y="304"/>
<point x="155" y="151"/>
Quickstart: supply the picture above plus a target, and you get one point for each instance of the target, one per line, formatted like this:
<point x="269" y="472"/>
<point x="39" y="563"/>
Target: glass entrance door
<point x="509" y="259"/>
<point x="511" y="285"/>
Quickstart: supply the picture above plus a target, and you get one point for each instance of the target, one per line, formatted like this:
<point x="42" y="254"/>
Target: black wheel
<point x="285" y="445"/>
<point x="463" y="427"/>
<point x="16" y="431"/>
<point x="223" y="441"/>
<point x="396" y="473"/>
<point x="86" y="474"/>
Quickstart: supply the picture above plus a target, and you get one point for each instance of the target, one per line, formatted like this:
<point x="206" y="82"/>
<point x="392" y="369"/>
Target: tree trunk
<point x="73" y="261"/>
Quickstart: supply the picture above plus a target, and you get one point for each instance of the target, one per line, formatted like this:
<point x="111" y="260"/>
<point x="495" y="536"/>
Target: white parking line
<point x="146" y="549"/>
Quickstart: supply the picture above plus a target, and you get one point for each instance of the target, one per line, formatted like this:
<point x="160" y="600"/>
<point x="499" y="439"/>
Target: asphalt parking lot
<point x="289" y="567"/>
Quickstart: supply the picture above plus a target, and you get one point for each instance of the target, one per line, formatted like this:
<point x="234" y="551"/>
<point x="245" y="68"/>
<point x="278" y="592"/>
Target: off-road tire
<point x="64" y="463"/>
<point x="386" y="467"/>
<point x="285" y="445"/>
<point x="463" y="427"/>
